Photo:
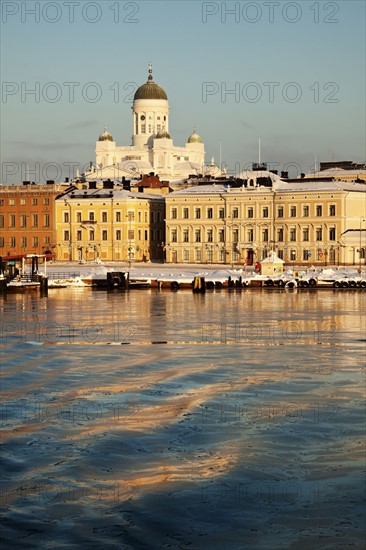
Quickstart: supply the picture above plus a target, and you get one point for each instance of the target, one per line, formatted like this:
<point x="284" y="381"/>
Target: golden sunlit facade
<point x="303" y="223"/>
<point x="110" y="225"/>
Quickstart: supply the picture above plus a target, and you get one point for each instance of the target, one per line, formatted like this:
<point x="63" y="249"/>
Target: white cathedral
<point x="152" y="148"/>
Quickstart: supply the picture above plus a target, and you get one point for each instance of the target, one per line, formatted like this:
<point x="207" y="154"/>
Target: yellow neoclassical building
<point x="110" y="224"/>
<point x="237" y="223"/>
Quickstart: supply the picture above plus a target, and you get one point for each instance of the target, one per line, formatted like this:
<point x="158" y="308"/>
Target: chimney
<point x="284" y="175"/>
<point x="50" y="182"/>
<point x="92" y="184"/>
<point x="26" y="182"/>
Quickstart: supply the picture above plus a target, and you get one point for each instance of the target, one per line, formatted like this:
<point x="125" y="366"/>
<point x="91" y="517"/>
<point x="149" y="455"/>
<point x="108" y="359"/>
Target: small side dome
<point x="194" y="138"/>
<point x="162" y="134"/>
<point x="105" y="136"/>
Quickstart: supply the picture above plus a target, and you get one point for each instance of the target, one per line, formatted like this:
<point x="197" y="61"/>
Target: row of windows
<point x="141" y="234"/>
<point x="130" y="217"/>
<point x="23" y="201"/>
<point x="24" y="241"/>
<point x="250" y="212"/>
<point x="293" y="235"/>
<point x="293" y="255"/>
<point x="24" y="220"/>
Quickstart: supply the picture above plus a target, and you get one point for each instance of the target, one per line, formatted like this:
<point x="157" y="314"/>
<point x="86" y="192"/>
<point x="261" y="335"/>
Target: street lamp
<point x="362" y="219"/>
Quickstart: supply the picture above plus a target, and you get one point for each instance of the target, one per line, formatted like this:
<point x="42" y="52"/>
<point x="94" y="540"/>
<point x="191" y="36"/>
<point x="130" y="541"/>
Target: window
<point x="78" y="217"/>
<point x="35" y="220"/>
<point x="104" y="235"/>
<point x="319" y="210"/>
<point x="265" y="212"/>
<point x="235" y="213"/>
<point x="280" y="254"/>
<point x="185" y="213"/>
<point x="35" y="242"/>
<point x="209" y="213"/>
<point x="280" y="235"/>
<point x="197" y="213"/>
<point x="2" y="242"/>
<point x="280" y="212"/>
<point x="250" y="235"/>
<point x="185" y="236"/>
<point x="24" y="242"/>
<point x="34" y="202"/>
<point x="292" y="255"/>
<point x="209" y="236"/>
<point x="198" y="255"/>
<point x="221" y="213"/>
<point x="11" y="202"/>
<point x="174" y="235"/>
<point x="78" y="235"/>
<point x="66" y="217"/>
<point x="118" y="217"/>
<point x="1" y="202"/>
<point x="332" y="234"/>
<point x="131" y="216"/>
<point x="91" y="235"/>
<point x="46" y="201"/>
<point x="221" y="236"/>
<point x="293" y="234"/>
<point x="174" y="213"/>
<point x="146" y="235"/>
<point x="91" y="217"/>
<point x="47" y="239"/>
<point x="197" y="236"/>
<point x="23" y="220"/>
<point x="265" y="235"/>
<point x="305" y="234"/>
<point x="235" y="235"/>
<point x="293" y="211"/>
<point x="131" y="234"/>
<point x="1" y="220"/>
<point x="118" y="235"/>
<point x="332" y="210"/>
<point x="305" y="211"/>
<point x="104" y="217"/>
<point x="66" y="235"/>
<point x="186" y="255"/>
<point x="23" y="201"/>
<point x="319" y="234"/>
<point x="12" y="242"/>
<point x="12" y="220"/>
<point x="306" y="255"/>
<point x="46" y="220"/>
<point x="139" y="215"/>
<point x="250" y="212"/>
<point x="221" y="255"/>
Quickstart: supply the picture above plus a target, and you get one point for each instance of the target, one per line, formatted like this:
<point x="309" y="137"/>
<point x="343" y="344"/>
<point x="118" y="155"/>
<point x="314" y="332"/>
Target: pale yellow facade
<point x="303" y="223"/>
<point x="109" y="225"/>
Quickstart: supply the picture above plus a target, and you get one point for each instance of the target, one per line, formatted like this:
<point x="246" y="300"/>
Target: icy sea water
<point x="146" y="420"/>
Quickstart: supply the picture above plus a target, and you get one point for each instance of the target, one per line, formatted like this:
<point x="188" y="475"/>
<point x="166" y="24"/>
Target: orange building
<point x="27" y="224"/>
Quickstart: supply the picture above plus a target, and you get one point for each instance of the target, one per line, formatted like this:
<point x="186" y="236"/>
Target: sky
<point x="291" y="74"/>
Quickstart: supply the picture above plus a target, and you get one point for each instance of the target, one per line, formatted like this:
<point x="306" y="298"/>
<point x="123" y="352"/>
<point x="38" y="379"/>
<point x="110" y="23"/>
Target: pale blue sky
<point x="320" y="46"/>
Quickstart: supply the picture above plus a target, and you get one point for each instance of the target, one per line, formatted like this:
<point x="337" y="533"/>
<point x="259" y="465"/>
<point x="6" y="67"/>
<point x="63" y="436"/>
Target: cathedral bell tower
<point x="150" y="112"/>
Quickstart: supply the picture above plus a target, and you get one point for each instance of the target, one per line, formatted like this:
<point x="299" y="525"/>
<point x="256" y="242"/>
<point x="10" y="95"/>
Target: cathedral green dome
<point x="194" y="138"/>
<point x="162" y="134"/>
<point x="150" y="90"/>
<point x="105" y="136"/>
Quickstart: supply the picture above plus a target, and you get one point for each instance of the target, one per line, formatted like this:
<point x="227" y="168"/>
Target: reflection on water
<point x="174" y="420"/>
